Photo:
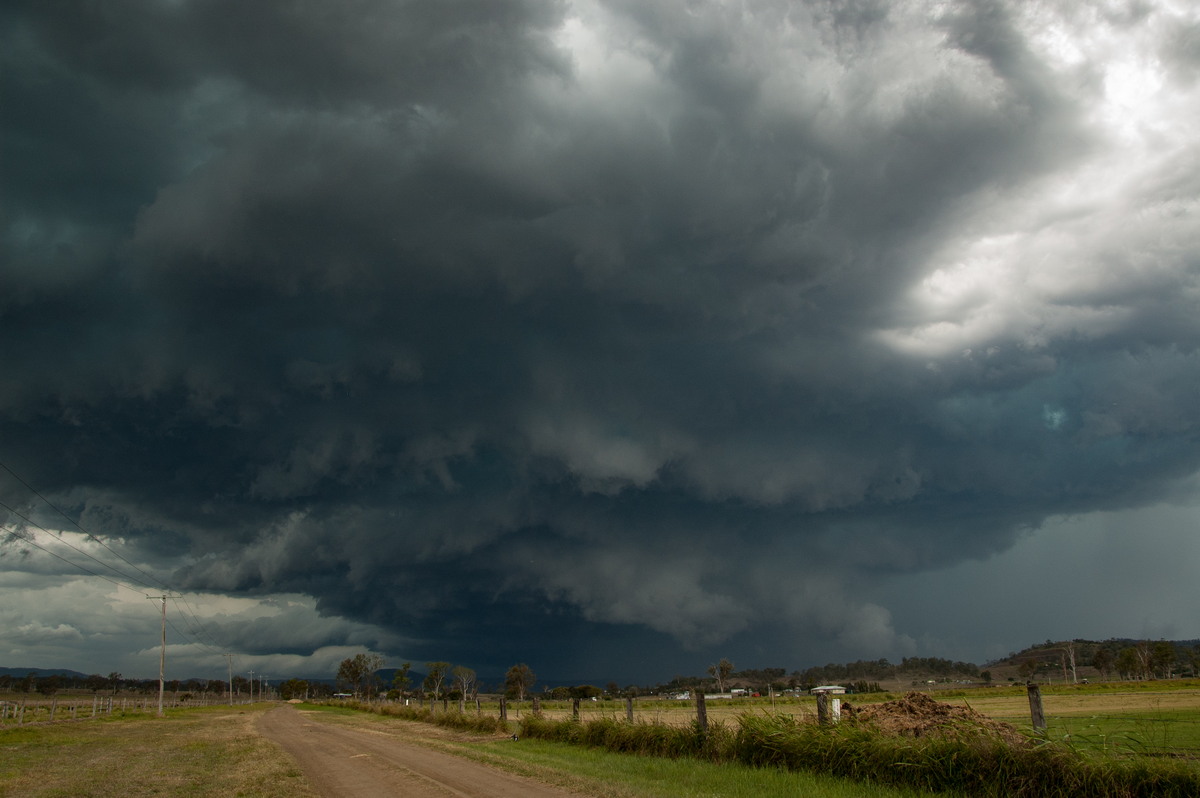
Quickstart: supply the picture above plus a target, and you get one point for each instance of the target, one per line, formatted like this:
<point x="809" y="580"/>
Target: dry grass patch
<point x="196" y="752"/>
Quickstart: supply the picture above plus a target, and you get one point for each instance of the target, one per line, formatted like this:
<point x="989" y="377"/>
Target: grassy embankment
<point x="212" y="752"/>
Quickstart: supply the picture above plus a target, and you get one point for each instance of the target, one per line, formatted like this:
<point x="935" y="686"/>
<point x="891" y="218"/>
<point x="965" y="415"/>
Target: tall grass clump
<point x="648" y="739"/>
<point x="481" y="724"/>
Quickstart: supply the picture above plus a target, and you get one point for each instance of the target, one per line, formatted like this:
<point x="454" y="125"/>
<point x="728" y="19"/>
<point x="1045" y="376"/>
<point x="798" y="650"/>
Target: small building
<point x="828" y="689"/>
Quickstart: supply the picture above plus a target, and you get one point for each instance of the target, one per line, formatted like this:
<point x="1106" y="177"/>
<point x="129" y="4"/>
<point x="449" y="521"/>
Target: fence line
<point x="24" y="710"/>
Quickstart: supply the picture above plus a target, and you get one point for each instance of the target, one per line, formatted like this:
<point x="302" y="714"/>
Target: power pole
<point x="251" y="687"/>
<point x="229" y="658"/>
<point x="162" y="656"/>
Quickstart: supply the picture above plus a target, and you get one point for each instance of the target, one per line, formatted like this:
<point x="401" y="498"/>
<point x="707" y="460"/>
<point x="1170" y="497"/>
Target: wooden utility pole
<point x="162" y="656"/>
<point x="229" y="659"/>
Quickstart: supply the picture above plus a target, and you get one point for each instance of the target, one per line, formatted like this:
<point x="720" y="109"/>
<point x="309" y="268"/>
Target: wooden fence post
<point x="575" y="708"/>
<point x="537" y="705"/>
<point x="823" y="709"/>
<point x="1036" y="713"/>
<point x="503" y="709"/>
<point x="701" y="711"/>
<point x="629" y="709"/>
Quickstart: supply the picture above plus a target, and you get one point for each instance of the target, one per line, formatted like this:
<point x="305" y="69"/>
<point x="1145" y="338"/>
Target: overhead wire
<point x="35" y="525"/>
<point x="153" y="584"/>
<point x="27" y="538"/>
<point x="77" y="525"/>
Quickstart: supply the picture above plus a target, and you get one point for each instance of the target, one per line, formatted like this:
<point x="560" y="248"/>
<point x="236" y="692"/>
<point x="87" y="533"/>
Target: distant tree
<point x="1128" y="664"/>
<point x="401" y="681"/>
<point x="519" y="680"/>
<point x="464" y="680"/>
<point x="1027" y="668"/>
<point x="613" y="689"/>
<point x="1103" y="661"/>
<point x="48" y="685"/>
<point x="586" y="691"/>
<point x="1069" y="661"/>
<point x="435" y="677"/>
<point x="293" y="688"/>
<point x="1162" y="659"/>
<point x="1145" y="657"/>
<point x="358" y="672"/>
<point x="721" y="672"/>
<point x="986" y="676"/>
<point x="115" y="679"/>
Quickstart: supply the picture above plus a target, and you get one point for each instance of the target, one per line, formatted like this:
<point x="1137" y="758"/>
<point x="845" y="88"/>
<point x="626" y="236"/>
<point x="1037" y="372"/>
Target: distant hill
<point x="41" y="672"/>
<point x="1117" y="658"/>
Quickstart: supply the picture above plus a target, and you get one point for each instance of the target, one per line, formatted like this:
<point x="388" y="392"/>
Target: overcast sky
<point x="610" y="337"/>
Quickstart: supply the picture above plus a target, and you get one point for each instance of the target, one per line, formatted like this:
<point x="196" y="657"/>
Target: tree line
<point x="359" y="676"/>
<point x="862" y="674"/>
<point x="115" y="683"/>
<point x="1124" y="659"/>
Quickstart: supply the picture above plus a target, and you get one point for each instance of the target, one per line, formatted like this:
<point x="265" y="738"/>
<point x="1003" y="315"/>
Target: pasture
<point x="215" y="750"/>
<point x="1153" y="718"/>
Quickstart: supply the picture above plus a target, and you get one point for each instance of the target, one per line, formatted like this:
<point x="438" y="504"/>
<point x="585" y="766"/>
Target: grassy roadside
<point x="623" y="775"/>
<point x="212" y="752"/>
<point x="593" y="771"/>
<point x="979" y="760"/>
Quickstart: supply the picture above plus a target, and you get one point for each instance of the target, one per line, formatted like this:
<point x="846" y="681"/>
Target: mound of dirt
<point x="918" y="715"/>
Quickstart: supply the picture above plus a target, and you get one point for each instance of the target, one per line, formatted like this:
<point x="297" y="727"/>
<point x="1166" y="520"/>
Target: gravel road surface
<point x="343" y="762"/>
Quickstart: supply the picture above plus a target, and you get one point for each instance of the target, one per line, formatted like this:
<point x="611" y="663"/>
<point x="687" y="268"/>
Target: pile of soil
<point x="918" y="715"/>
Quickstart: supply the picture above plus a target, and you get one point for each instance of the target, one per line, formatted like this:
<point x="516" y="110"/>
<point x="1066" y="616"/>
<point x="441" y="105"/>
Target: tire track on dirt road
<point x="343" y="762"/>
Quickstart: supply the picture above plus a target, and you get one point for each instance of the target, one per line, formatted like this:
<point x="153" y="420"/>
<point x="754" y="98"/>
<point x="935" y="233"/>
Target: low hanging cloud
<point x="492" y="324"/>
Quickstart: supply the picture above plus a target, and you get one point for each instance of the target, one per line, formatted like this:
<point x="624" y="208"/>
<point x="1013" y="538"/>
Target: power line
<point x="78" y="526"/>
<point x="27" y="538"/>
<point x="154" y="584"/>
<point x="109" y="566"/>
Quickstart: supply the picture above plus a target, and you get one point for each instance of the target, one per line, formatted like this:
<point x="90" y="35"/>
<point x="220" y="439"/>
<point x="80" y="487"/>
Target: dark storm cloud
<point x="498" y="323"/>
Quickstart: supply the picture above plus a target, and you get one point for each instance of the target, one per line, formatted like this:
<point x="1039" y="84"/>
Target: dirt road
<point x="343" y="762"/>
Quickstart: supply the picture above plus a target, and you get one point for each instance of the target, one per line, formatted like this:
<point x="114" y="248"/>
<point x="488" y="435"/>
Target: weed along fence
<point x="18" y="710"/>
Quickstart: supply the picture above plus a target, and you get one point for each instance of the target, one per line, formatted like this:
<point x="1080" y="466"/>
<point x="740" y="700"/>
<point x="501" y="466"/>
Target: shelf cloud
<point x="610" y="337"/>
